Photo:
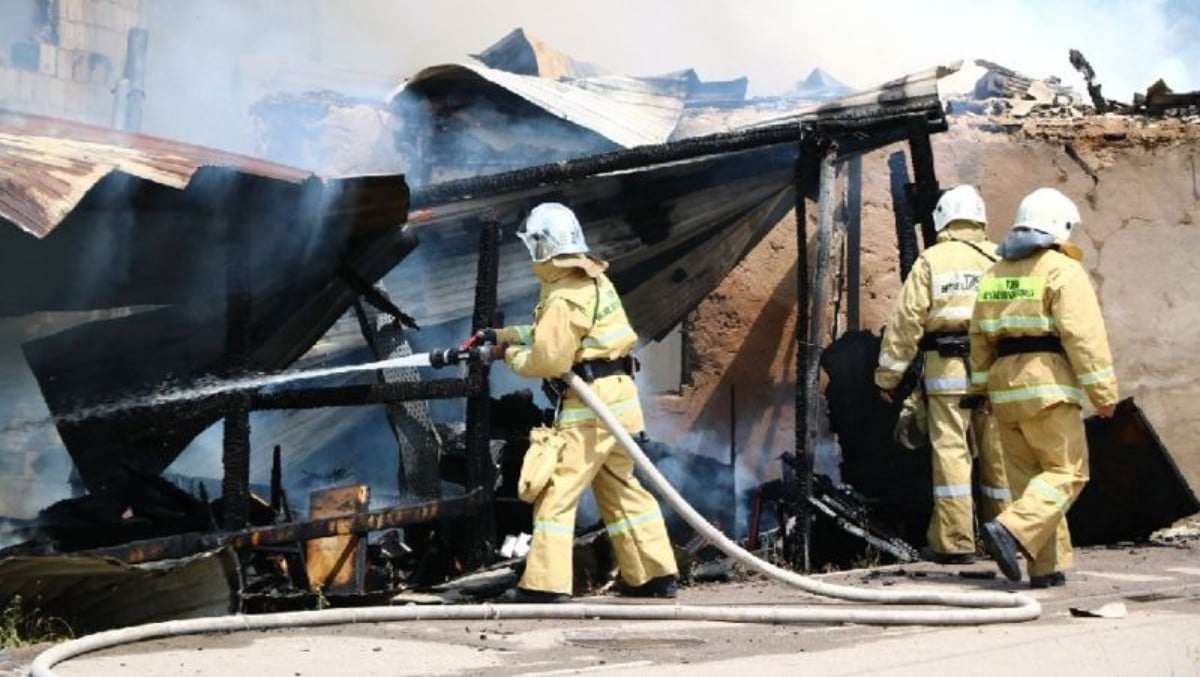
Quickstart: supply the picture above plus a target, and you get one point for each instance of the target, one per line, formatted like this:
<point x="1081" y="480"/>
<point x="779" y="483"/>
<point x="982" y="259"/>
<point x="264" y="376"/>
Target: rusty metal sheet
<point x="47" y="166"/>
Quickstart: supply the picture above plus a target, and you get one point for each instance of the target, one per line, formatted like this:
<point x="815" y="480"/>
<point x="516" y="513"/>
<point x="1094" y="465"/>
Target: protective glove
<point x="496" y="352"/>
<point x="479" y="338"/>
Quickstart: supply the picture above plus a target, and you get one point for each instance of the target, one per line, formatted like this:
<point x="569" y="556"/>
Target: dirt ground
<point x="1158" y="584"/>
<point x="1136" y="184"/>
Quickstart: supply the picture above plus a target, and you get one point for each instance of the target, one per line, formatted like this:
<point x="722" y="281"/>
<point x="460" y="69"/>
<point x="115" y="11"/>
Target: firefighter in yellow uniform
<point x="580" y="325"/>
<point x="931" y="316"/>
<point x="1038" y="345"/>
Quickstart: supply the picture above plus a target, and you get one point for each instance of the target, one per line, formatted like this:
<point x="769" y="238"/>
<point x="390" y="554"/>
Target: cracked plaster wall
<point x="1140" y="236"/>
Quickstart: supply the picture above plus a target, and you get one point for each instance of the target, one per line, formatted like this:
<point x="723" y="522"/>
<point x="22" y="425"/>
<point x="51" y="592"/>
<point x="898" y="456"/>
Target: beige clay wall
<point x="1141" y="237"/>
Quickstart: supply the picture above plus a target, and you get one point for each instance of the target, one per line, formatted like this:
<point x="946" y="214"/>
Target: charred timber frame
<point x="235" y="457"/>
<point x="924" y="191"/>
<point x="810" y="319"/>
<point x="184" y="545"/>
<point x="852" y="135"/>
<point x="480" y="470"/>
<point x="812" y="291"/>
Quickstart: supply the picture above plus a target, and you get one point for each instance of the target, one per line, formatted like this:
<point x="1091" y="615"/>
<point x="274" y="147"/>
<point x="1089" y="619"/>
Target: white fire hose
<point x="971" y="608"/>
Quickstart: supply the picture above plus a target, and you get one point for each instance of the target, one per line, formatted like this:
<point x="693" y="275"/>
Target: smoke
<point x="208" y="62"/>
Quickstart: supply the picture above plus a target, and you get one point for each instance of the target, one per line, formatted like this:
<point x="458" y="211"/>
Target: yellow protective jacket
<point x="937" y="296"/>
<point x="1047" y="293"/>
<point x="578" y="317"/>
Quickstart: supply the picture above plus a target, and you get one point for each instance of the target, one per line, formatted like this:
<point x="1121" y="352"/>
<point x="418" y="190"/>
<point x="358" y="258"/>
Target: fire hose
<point x="967" y="608"/>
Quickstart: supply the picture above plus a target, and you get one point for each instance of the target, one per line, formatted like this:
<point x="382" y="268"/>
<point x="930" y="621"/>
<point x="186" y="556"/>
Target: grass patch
<point x="22" y="625"/>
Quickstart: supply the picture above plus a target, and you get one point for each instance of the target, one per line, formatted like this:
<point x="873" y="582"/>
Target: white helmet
<point x="1049" y="211"/>
<point x="961" y="203"/>
<point x="550" y="230"/>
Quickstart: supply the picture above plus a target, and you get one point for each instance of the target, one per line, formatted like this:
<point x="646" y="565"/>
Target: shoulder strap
<point x="991" y="257"/>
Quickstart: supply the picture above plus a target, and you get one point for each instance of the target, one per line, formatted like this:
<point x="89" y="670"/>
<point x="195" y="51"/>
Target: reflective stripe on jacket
<point x="937" y="296"/>
<point x="579" y="317"/>
<point x="1047" y="293"/>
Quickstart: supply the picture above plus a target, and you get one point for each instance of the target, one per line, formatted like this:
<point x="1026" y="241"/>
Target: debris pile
<point x="1001" y="92"/>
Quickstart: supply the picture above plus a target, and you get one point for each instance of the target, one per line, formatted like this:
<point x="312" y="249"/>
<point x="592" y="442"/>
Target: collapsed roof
<point x="672" y="219"/>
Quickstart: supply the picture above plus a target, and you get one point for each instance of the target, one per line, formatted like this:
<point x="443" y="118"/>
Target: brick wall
<point x="68" y="68"/>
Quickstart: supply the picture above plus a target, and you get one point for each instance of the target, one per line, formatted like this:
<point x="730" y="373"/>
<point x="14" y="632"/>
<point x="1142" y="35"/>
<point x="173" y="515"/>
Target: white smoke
<point x="209" y="61"/>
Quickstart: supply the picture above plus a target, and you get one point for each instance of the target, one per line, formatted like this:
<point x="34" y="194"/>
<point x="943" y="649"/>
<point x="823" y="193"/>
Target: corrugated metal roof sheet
<point x="625" y="110"/>
<point x="884" y="99"/>
<point x="47" y="166"/>
<point x="914" y="91"/>
<point x="524" y="53"/>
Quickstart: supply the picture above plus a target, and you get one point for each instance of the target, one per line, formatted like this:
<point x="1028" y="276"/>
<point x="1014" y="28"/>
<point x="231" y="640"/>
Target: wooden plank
<point x="337" y="563"/>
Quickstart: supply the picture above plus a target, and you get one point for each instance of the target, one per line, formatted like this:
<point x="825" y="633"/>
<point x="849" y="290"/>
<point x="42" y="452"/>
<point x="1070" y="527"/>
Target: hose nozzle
<point x="447" y="356"/>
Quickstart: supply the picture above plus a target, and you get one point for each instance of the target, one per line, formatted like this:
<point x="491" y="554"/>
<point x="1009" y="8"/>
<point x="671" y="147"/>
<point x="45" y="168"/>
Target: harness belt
<point x="946" y="343"/>
<point x="591" y="370"/>
<point x="1017" y="345"/>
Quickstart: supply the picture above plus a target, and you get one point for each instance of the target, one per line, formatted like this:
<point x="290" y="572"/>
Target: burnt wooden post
<point x="906" y="238"/>
<point x="925" y="190"/>
<point x="854" y="244"/>
<point x="809" y="409"/>
<point x="801" y="187"/>
<point x="235" y="483"/>
<point x="480" y="468"/>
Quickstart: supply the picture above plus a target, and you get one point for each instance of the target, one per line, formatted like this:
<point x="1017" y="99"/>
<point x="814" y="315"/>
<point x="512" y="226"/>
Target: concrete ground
<point x="1160" y="635"/>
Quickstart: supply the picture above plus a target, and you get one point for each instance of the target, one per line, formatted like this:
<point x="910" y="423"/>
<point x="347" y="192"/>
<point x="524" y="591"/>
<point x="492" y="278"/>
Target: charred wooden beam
<point x="235" y="488"/>
<point x="924" y="191"/>
<point x="854" y="244"/>
<point x="803" y="172"/>
<point x="184" y="545"/>
<point x="1085" y="69"/>
<point x="480" y="467"/>
<point x="235" y="482"/>
<point x="852" y="135"/>
<point x="815" y="337"/>
<point x="906" y="238"/>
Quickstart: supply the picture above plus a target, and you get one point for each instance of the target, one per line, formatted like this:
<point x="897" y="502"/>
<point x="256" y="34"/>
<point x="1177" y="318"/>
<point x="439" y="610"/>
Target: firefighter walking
<point x="931" y="316"/>
<point x="1038" y="346"/>
<point x="580" y="325"/>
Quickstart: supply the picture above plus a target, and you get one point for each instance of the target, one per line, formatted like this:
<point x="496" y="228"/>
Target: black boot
<point x="1051" y="580"/>
<point x="930" y="555"/>
<point x="519" y="595"/>
<point x="1002" y="548"/>
<point x="663" y="586"/>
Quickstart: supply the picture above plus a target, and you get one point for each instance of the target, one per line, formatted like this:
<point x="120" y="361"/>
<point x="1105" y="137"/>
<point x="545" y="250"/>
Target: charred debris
<point x="281" y="268"/>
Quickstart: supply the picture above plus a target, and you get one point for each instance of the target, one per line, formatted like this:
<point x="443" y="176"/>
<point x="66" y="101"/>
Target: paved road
<point x="1159" y="586"/>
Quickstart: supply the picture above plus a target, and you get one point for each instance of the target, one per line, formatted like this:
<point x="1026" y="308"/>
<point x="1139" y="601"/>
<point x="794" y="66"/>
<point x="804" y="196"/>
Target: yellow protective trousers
<point x="593" y="457"/>
<point x="993" y="476"/>
<point x="1046" y="458"/>
<point x="952" y="527"/>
